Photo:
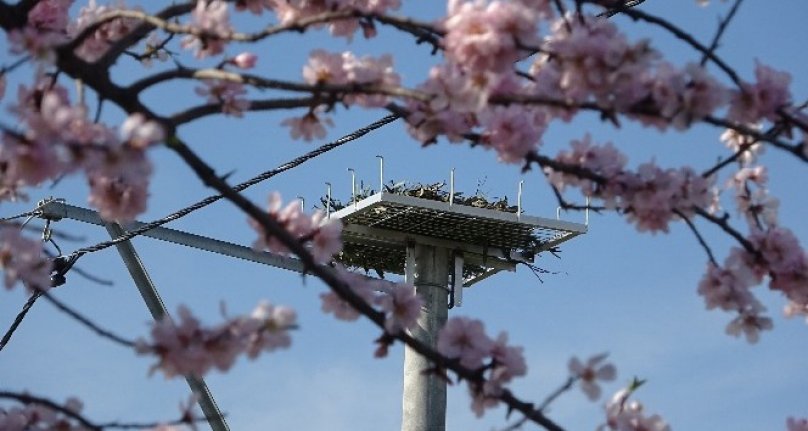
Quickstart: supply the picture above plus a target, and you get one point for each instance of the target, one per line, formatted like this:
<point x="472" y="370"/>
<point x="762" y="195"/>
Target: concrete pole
<point x="424" y="401"/>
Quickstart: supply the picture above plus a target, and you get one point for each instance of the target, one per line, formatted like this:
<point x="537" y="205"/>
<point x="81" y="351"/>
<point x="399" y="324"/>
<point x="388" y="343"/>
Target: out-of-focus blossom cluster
<point x="398" y="301"/>
<point x="794" y="424"/>
<point x="22" y="259"/>
<point x="49" y="25"/>
<point x="97" y="43"/>
<point x="229" y="94"/>
<point x="35" y="416"/>
<point x="211" y="22"/>
<point x="588" y="374"/>
<point x="321" y="236"/>
<point x="465" y="339"/>
<point x="60" y="138"/>
<point x="185" y="347"/>
<point x="623" y="414"/>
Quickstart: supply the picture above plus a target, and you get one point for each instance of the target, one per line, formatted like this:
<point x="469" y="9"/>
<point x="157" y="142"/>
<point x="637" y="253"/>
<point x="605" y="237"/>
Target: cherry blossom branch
<point x="208" y="176"/>
<point x="722" y="27"/>
<point x="25" y="398"/>
<point x="31" y="399"/>
<point x="264" y="83"/>
<point x="611" y="115"/>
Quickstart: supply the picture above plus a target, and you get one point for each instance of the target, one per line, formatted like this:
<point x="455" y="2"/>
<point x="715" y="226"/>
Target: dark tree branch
<point x="30" y="399"/>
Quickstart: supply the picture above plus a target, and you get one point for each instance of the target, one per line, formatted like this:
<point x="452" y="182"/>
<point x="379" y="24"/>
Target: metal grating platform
<point x="378" y="228"/>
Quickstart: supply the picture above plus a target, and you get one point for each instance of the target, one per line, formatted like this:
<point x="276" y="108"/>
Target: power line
<point x="240" y="187"/>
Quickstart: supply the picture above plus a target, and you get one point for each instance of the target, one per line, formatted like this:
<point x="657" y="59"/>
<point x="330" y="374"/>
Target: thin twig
<point x="87" y="322"/>
<point x="696" y="232"/>
<point x="722" y="27"/>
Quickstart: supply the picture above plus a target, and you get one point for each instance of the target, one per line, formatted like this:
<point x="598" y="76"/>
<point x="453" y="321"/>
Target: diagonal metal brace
<point x="158" y="311"/>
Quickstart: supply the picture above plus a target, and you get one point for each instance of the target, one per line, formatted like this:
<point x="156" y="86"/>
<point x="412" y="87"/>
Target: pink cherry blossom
<point x="267" y="328"/>
<point x="227" y="93"/>
<point x="36" y="416"/>
<point x="737" y="142"/>
<point x="255" y="6"/>
<point x="39" y="44"/>
<point x="793" y="309"/>
<point x="153" y="51"/>
<point x="23" y="260"/>
<point x="507" y="362"/>
<point x="750" y="324"/>
<point x="591" y="372"/>
<point x="402" y="306"/>
<point x="755" y="102"/>
<point x="245" y="60"/>
<point x="484" y="35"/>
<point x="623" y="414"/>
<point x="604" y="160"/>
<point x="97" y="44"/>
<point x="116" y="198"/>
<point x="140" y="132"/>
<point x="794" y="424"/>
<point x="185" y="347"/>
<point x="727" y="289"/>
<point x="212" y="21"/>
<point x="295" y="10"/>
<point x="512" y="131"/>
<point x="320" y="236"/>
<point x="50" y="15"/>
<point x="119" y="182"/>
<point x="465" y="339"/>
<point x="327" y="238"/>
<point x="309" y="127"/>
<point x="27" y="163"/>
<point x="587" y="57"/>
<point x="362" y="286"/>
<point x="324" y="68"/>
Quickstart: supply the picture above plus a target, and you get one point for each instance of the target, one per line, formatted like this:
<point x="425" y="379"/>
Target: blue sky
<point x="632" y="295"/>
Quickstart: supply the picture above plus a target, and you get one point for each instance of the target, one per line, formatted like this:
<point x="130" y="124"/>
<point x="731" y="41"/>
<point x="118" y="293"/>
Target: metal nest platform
<point x="378" y="228"/>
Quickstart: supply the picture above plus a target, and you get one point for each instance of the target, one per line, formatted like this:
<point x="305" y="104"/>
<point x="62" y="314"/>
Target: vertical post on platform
<point x="424" y="402"/>
<point x="158" y="311"/>
<point x="381" y="173"/>
<point x="353" y="186"/>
